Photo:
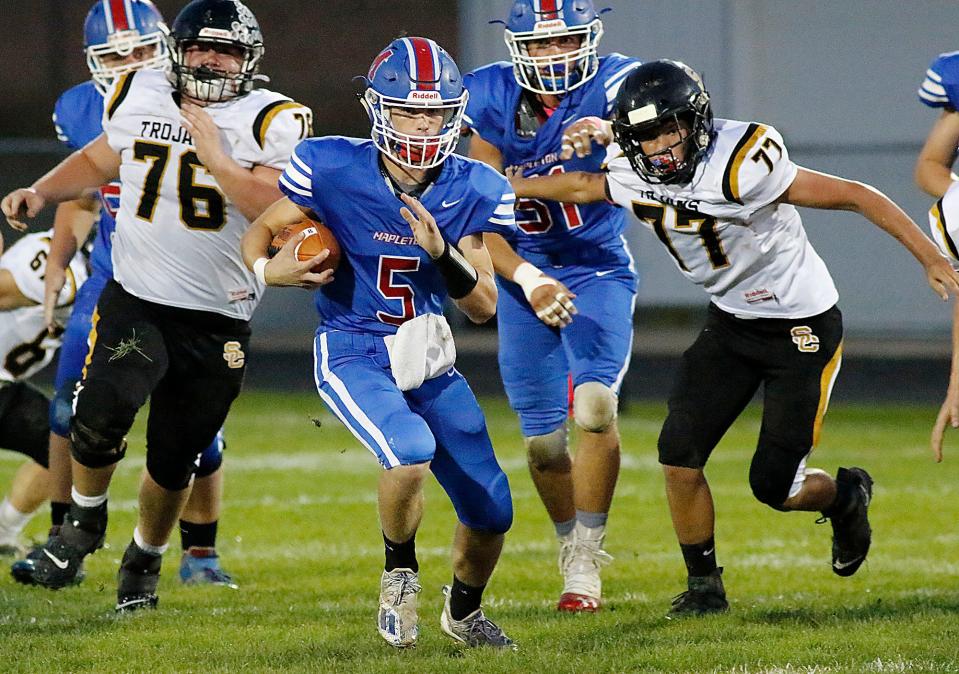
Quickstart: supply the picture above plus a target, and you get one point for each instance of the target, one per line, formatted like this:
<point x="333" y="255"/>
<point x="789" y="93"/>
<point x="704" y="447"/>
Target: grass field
<point x="300" y="535"/>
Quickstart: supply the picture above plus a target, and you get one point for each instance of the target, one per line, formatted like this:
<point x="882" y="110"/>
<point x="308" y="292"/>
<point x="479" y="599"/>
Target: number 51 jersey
<point x="178" y="235"/>
<point x="725" y="230"/>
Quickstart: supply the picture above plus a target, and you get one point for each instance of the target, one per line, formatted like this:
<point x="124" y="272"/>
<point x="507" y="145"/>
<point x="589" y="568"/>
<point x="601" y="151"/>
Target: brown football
<point x="319" y="239"/>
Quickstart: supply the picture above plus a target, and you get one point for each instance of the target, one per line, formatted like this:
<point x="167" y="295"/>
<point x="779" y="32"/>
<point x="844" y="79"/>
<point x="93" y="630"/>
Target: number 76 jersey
<point x="725" y="230"/>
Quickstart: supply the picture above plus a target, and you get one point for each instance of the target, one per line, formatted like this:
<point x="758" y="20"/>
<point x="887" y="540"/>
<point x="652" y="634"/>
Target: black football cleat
<point x="705" y="595"/>
<point x="137" y="580"/>
<point x="851" y="533"/>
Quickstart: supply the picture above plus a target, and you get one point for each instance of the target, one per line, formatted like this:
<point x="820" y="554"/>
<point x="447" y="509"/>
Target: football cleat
<point x="705" y="595"/>
<point x="851" y="533"/>
<point x="474" y="630"/>
<point x="580" y="560"/>
<point x="396" y="619"/>
<point x="23" y="570"/>
<point x="59" y="561"/>
<point x="201" y="566"/>
<point x="137" y="580"/>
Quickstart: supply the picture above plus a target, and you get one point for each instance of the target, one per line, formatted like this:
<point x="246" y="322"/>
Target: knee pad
<point x="772" y="472"/>
<point x="94" y="449"/>
<point x="212" y="457"/>
<point x="544" y="450"/>
<point x="61" y="409"/>
<point x="102" y="417"/>
<point x="171" y="471"/>
<point x="498" y="514"/>
<point x="678" y="445"/>
<point x="594" y="406"/>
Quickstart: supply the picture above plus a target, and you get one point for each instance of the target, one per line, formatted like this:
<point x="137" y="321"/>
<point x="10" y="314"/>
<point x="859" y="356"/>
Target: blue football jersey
<point x="384" y="277"/>
<point x="549" y="226"/>
<point x="77" y="117"/>
<point x="940" y="89"/>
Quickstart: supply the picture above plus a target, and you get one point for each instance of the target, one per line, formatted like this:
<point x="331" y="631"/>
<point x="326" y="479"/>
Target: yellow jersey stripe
<point x="826" y="380"/>
<point x="263" y="120"/>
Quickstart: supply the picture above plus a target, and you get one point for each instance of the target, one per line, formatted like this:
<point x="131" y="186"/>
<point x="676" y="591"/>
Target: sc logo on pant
<point x="804" y="340"/>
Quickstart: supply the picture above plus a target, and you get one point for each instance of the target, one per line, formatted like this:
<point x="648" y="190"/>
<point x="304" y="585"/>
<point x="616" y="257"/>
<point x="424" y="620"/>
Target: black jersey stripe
<point x="262" y="122"/>
<point x="121" y="93"/>
<point x="941" y="225"/>
<point x="731" y="175"/>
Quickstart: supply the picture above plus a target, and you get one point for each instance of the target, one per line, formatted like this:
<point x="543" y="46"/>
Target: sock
<point x="401" y="555"/>
<point x="193" y="535"/>
<point x="464" y="599"/>
<point x="12" y="520"/>
<point x="58" y="511"/>
<point x="700" y="557"/>
<point x="591" y="520"/>
<point x="87" y="501"/>
<point x="156" y="550"/>
<point x="564" y="529"/>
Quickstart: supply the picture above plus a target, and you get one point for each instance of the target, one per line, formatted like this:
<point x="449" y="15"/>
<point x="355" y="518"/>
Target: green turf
<point x="299" y="533"/>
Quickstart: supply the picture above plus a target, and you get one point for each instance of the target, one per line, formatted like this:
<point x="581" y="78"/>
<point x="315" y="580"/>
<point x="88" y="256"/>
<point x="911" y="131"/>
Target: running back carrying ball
<point x="318" y="238"/>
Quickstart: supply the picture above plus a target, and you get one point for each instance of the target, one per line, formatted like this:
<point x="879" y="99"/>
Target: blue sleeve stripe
<point x="293" y="175"/>
<point x="294" y="188"/>
<point x="932" y="88"/>
<point x="300" y="164"/>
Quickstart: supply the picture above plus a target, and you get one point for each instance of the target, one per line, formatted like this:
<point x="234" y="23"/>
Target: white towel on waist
<point x="421" y="349"/>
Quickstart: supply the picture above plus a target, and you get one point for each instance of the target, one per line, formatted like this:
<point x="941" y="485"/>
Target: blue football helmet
<point x="118" y="28"/>
<point x="537" y="20"/>
<point x="412" y="74"/>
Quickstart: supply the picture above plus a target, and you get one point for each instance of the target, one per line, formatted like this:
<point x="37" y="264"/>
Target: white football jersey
<point x="724" y="229"/>
<point x="178" y="235"/>
<point x="944" y="224"/>
<point x="25" y="346"/>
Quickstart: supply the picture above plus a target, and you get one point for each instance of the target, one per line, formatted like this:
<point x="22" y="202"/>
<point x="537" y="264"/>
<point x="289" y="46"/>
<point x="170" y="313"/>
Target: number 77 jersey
<point x="725" y="229"/>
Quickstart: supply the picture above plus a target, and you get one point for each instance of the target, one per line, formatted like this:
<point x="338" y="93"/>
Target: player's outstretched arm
<point x="934" y="166"/>
<point x="949" y="412"/>
<point x="485" y="152"/>
<point x="72" y="224"/>
<point x="283" y="269"/>
<point x="550" y="300"/>
<point x="819" y="190"/>
<point x="577" y="187"/>
<point x="93" y="165"/>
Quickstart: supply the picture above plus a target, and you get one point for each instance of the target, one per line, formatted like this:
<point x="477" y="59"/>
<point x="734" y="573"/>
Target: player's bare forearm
<point x="251" y="190"/>
<point x="71" y="224"/>
<point x="480" y="304"/>
<point x="505" y="259"/>
<point x="256" y="240"/>
<point x="93" y="165"/>
<point x="577" y="187"/>
<point x="485" y="152"/>
<point x="933" y="171"/>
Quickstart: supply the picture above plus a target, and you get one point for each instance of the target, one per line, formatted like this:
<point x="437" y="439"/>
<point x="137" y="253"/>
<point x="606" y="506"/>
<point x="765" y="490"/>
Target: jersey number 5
<point x="394" y="264"/>
<point x="533" y="216"/>
<point x="201" y="206"/>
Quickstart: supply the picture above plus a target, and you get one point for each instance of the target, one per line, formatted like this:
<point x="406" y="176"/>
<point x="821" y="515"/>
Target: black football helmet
<point x="654" y="94"/>
<point x="225" y="22"/>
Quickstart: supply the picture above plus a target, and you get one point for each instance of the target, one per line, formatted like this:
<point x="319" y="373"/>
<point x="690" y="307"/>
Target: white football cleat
<point x="397" y="618"/>
<point x="581" y="556"/>
<point x="474" y="630"/>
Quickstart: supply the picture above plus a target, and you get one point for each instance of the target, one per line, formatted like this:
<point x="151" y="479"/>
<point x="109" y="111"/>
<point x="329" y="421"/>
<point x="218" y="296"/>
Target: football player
<point x="26" y="348"/>
<point x="944" y="224"/>
<point x="118" y="38"/>
<point x="198" y="152"/>
<point x="720" y="195"/>
<point x="410" y="219"/>
<point x="940" y="90"/>
<point x="518" y="113"/>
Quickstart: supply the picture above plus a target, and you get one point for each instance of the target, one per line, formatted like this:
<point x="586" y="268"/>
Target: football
<point x="319" y="238"/>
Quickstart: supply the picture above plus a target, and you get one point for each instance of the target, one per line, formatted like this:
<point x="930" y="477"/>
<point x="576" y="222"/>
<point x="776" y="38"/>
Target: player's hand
<point x="206" y="136"/>
<point x="948" y="418"/>
<point x="578" y="138"/>
<point x="20" y="205"/>
<point x="285" y="270"/>
<point x="54" y="279"/>
<point x="942" y="278"/>
<point x="425" y="231"/>
<point x="553" y="304"/>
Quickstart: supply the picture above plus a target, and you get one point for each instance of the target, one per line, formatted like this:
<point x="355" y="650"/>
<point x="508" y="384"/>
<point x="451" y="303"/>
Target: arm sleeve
<point x="279" y="127"/>
<point x="296" y="181"/>
<point x="496" y="212"/>
<point x="616" y="69"/>
<point x="759" y="169"/>
<point x="481" y="107"/>
<point x="940" y="88"/>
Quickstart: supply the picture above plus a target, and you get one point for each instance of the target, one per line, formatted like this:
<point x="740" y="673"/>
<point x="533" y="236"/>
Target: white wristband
<point x="529" y="278"/>
<point x="258" y="269"/>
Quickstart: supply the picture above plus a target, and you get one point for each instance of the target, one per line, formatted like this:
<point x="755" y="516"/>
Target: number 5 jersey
<point x="725" y="229"/>
<point x="178" y="235"/>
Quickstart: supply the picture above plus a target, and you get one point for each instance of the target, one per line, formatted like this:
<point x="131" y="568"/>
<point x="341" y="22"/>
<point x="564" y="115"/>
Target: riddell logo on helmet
<point x="216" y="33"/>
<point x="549" y="25"/>
<point x="424" y="96"/>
